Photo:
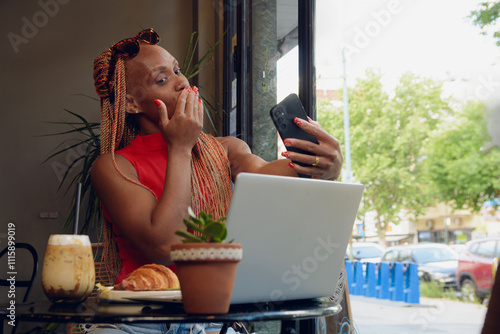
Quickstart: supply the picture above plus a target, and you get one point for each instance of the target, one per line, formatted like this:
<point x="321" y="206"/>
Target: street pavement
<point x="440" y="316"/>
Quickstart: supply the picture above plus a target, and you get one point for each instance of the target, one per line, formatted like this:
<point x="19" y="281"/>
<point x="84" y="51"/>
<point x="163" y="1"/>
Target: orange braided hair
<point x="210" y="177"/>
<point x="210" y="169"/>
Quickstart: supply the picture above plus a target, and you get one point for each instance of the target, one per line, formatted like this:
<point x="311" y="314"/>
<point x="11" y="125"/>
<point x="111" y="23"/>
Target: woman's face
<point x="153" y="74"/>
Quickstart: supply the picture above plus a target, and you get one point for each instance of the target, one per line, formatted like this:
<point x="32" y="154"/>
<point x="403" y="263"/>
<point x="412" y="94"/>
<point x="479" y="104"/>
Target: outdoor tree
<point x="387" y="135"/>
<point x="485" y="17"/>
<point x="461" y="161"/>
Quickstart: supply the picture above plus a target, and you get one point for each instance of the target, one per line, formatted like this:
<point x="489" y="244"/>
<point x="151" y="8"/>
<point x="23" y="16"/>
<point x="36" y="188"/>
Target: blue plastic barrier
<point x="349" y="275"/>
<point x="412" y="284"/>
<point x="357" y="286"/>
<point x="396" y="288"/>
<point x="382" y="289"/>
<point x="370" y="280"/>
<point x="394" y="281"/>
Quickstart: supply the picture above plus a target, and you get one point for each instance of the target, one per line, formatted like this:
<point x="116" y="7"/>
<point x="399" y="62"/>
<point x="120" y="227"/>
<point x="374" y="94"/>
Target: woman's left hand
<point x="327" y="159"/>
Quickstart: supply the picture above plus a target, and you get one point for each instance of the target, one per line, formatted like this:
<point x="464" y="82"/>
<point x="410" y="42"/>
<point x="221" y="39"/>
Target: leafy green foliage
<point x="89" y="142"/>
<point x="462" y="164"/>
<point x="387" y="138"/>
<point x="434" y="289"/>
<point x="413" y="150"/>
<point x="486" y="16"/>
<point x="191" y="69"/>
<point x="203" y="229"/>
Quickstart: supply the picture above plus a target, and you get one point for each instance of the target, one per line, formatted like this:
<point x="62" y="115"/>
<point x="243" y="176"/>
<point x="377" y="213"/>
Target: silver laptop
<point x="294" y="233"/>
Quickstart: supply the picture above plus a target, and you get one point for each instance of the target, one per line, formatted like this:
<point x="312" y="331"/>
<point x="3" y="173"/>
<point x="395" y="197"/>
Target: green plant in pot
<point x="206" y="265"/>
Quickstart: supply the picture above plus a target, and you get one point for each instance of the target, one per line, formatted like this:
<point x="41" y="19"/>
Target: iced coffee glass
<point x="68" y="273"/>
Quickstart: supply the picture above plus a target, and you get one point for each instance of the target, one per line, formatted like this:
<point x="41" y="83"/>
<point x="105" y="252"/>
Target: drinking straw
<point x="77" y="208"/>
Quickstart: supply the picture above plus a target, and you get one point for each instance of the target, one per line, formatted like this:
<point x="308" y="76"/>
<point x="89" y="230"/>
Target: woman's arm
<point x="242" y="160"/>
<point x="327" y="151"/>
<point x="150" y="225"/>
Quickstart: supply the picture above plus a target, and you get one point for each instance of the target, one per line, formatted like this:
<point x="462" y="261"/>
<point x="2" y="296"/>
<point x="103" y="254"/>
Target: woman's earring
<point x="137" y="111"/>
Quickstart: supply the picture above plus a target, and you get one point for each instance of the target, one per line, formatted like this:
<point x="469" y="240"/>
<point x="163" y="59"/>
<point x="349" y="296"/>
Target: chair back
<point x="21" y="283"/>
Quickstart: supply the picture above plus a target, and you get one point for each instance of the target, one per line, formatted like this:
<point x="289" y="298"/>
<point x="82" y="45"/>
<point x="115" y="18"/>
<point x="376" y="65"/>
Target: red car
<point x="474" y="267"/>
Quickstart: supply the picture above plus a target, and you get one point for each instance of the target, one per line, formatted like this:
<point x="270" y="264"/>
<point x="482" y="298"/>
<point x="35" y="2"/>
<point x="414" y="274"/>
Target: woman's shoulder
<point x="234" y="145"/>
<point x="102" y="160"/>
<point x="104" y="163"/>
<point x="229" y="141"/>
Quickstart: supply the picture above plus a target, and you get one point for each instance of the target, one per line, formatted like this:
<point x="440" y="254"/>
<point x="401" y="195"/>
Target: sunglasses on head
<point x="130" y="46"/>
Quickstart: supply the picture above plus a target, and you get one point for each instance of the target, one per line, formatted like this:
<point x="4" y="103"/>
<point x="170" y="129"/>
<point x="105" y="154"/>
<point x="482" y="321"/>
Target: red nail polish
<point x="297" y="121"/>
<point x="287" y="142"/>
<point x="291" y="165"/>
<point x="199" y="100"/>
<point x="285" y="154"/>
<point x="188" y="88"/>
<point x="157" y="103"/>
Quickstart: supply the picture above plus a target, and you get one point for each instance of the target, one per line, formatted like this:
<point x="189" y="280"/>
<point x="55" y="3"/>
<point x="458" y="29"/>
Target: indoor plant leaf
<point x="188" y="237"/>
<point x="214" y="230"/>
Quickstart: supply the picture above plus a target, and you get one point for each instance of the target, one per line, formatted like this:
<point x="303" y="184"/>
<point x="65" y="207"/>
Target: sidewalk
<point x="374" y="316"/>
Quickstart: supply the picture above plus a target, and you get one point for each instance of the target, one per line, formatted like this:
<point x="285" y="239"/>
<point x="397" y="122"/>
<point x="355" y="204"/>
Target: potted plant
<point x="206" y="265"/>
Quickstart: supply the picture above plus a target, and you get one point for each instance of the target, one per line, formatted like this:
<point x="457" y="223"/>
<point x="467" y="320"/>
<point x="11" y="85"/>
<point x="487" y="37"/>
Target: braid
<point x="210" y="177"/>
<point x="116" y="132"/>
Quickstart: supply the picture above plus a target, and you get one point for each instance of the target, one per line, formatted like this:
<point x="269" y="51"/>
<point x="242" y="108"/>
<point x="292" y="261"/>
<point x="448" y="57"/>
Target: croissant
<point x="149" y="277"/>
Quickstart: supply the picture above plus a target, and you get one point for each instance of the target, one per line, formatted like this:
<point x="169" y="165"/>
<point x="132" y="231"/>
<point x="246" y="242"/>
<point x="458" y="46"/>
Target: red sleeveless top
<point x="148" y="154"/>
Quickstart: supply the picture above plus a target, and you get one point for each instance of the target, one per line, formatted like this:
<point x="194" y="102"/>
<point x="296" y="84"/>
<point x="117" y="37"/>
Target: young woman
<point x="155" y="161"/>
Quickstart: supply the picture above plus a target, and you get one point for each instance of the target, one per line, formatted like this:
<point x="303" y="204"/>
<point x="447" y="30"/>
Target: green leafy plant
<point x="434" y="289"/>
<point x="203" y="229"/>
<point x="191" y="69"/>
<point x="89" y="142"/>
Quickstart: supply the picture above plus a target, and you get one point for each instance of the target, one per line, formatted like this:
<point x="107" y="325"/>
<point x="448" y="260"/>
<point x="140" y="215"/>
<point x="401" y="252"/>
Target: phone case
<point x="283" y="114"/>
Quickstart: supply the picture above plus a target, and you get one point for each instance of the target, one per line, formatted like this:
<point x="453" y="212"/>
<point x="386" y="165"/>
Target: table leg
<point x="223" y="330"/>
<point x="288" y="326"/>
<point x="305" y="326"/>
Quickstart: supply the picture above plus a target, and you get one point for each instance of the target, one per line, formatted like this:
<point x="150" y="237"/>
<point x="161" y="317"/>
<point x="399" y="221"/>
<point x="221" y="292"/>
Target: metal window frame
<point x="237" y="21"/>
<point x="307" y="69"/>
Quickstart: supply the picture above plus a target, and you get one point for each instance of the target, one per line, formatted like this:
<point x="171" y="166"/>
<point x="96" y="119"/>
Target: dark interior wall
<point x="48" y="47"/>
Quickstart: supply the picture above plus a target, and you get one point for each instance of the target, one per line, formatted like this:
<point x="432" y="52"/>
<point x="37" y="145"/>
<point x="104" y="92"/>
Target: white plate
<point x="109" y="294"/>
<point x="157" y="299"/>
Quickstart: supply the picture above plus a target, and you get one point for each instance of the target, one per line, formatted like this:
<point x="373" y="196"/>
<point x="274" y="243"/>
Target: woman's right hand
<point x="186" y="123"/>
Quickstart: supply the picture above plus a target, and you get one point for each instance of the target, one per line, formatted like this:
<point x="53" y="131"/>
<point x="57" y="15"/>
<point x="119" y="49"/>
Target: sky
<point x="432" y="38"/>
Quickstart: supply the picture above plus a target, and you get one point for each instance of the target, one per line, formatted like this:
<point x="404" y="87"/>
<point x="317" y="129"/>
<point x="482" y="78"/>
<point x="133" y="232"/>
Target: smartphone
<point x="283" y="115"/>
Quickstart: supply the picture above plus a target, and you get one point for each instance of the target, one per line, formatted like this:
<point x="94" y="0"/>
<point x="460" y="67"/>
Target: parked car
<point x="365" y="251"/>
<point x="459" y="248"/>
<point x="436" y="262"/>
<point x="475" y="265"/>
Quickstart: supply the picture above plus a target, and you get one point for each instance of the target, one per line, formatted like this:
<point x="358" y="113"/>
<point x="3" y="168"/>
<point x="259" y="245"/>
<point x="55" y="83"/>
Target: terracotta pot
<point x="206" y="274"/>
